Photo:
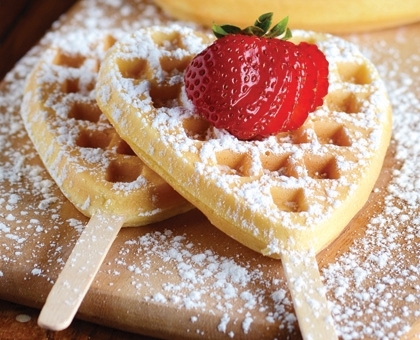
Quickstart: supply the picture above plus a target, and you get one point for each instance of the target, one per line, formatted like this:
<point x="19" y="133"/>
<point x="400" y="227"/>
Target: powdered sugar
<point x="92" y="165"/>
<point x="213" y="286"/>
<point x="243" y="182"/>
<point x="380" y="251"/>
<point x="205" y="276"/>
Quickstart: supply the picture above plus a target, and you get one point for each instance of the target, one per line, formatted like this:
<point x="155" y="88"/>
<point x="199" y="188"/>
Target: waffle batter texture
<point x="94" y="168"/>
<point x="294" y="191"/>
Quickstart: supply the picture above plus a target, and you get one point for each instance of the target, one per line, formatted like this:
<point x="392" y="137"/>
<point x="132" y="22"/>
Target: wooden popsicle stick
<point x="308" y="295"/>
<point x="74" y="281"/>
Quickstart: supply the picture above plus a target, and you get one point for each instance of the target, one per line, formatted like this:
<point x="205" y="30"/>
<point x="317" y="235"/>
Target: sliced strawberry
<point x="280" y="75"/>
<point x="253" y="85"/>
<point x="283" y="105"/>
<point x="321" y="66"/>
<point x="302" y="84"/>
<point x="305" y="94"/>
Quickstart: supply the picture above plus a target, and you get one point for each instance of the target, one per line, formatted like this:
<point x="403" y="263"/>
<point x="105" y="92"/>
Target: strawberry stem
<point x="260" y="28"/>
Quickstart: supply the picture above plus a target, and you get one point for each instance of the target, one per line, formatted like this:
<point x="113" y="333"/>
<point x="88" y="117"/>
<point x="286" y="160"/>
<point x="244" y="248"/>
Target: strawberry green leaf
<point x="284" y="36"/>
<point x="259" y="29"/>
<point x="253" y="30"/>
<point x="264" y="21"/>
<point x="288" y="34"/>
<point x="280" y="29"/>
<point x="221" y="31"/>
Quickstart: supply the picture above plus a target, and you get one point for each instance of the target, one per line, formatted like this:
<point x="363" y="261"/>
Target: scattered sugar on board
<point x="191" y="275"/>
<point x="383" y="309"/>
<point x="364" y="303"/>
<point x="23" y="318"/>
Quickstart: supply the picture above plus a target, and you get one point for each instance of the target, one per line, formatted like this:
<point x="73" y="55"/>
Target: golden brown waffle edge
<point x="95" y="169"/>
<point x="291" y="191"/>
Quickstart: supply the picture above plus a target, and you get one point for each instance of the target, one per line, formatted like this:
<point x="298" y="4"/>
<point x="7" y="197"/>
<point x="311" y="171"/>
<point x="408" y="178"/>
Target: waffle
<point x="94" y="168"/>
<point x="333" y="16"/>
<point x="294" y="191"/>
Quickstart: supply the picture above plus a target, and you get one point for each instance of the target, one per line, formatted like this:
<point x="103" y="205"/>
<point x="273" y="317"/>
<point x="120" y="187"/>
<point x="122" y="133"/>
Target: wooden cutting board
<point x="182" y="278"/>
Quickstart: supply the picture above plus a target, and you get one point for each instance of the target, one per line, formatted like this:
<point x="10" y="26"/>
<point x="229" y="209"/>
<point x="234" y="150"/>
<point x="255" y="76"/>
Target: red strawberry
<point x="254" y="85"/>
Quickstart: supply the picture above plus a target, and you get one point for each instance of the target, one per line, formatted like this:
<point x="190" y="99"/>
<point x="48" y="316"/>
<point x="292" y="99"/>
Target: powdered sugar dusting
<point x="288" y="187"/>
<point x="373" y="287"/>
<point x="191" y="276"/>
<point x="93" y="167"/>
<point x="372" y="274"/>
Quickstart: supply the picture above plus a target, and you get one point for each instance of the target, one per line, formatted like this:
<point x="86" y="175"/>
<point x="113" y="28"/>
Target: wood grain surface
<point x="19" y="322"/>
<point x="128" y="294"/>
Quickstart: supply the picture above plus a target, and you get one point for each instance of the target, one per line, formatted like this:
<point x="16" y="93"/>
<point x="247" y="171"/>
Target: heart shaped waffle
<point x="286" y="196"/>
<point x="293" y="191"/>
<point x="94" y="168"/>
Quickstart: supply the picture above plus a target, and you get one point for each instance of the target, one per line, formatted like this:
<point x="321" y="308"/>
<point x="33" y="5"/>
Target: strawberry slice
<point x="280" y="77"/>
<point x="253" y="83"/>
<point x="308" y="75"/>
<point x="320" y="66"/>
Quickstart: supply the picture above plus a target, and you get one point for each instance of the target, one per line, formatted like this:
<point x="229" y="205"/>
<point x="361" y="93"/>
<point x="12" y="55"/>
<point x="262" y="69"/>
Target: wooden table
<point x="20" y="322"/>
<point x="22" y="23"/>
<point x="21" y="27"/>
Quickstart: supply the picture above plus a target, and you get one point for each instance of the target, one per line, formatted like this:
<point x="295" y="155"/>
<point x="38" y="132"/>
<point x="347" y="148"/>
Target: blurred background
<point x="22" y="24"/>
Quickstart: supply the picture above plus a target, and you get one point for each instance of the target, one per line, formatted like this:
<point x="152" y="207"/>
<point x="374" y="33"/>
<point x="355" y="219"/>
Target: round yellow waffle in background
<point x="333" y="16"/>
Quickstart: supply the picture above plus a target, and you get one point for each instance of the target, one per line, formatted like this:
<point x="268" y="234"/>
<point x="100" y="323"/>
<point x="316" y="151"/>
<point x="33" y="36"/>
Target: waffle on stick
<point x="287" y="196"/>
<point x="94" y="168"/>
